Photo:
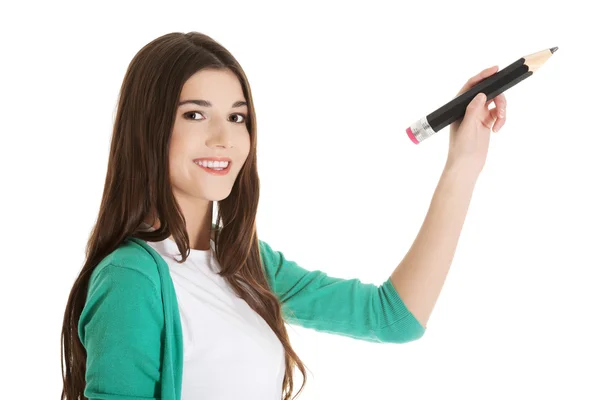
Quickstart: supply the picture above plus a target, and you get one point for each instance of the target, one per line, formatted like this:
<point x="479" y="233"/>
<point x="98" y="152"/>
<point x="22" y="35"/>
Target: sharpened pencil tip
<point x="553" y="49"/>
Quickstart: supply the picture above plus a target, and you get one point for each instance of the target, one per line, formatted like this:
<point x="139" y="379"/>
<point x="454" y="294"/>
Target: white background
<point x="343" y="189"/>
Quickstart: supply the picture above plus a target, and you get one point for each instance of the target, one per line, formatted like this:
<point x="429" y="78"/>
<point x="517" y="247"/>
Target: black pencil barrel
<point x="491" y="86"/>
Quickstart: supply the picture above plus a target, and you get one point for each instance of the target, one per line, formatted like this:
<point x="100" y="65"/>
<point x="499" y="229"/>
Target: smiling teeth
<point x="218" y="165"/>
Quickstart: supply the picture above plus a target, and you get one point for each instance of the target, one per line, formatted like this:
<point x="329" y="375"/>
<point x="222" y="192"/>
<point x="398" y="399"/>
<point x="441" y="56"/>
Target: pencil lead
<point x="553" y="49"/>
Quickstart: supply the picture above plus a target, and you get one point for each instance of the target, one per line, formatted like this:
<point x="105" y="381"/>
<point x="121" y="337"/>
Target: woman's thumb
<point x="475" y="105"/>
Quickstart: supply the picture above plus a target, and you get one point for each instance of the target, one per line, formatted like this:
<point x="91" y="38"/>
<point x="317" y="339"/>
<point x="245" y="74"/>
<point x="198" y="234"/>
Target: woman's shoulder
<point x="123" y="312"/>
<point x="133" y="255"/>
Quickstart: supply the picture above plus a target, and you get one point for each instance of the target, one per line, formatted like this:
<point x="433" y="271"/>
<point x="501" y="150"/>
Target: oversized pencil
<point x="492" y="86"/>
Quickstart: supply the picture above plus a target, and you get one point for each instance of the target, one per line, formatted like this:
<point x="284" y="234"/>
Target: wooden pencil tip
<point x="553" y="49"/>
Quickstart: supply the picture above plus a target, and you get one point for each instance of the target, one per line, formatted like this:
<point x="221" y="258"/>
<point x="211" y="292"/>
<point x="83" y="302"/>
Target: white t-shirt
<point x="229" y="351"/>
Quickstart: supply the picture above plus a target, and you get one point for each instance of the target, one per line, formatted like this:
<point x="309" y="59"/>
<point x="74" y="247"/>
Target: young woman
<point x="169" y="305"/>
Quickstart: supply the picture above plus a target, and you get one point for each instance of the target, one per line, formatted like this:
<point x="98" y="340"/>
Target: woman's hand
<point x="470" y="136"/>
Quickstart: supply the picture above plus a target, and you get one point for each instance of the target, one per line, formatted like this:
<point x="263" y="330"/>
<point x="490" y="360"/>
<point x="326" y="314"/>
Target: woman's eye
<point x="191" y="113"/>
<point x="240" y="115"/>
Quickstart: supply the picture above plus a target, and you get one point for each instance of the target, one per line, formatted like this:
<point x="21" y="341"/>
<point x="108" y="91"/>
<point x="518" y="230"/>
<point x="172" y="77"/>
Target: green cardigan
<point x="131" y="330"/>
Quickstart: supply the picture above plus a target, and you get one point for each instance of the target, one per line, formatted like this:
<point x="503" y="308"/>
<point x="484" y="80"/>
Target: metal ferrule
<point x="421" y="129"/>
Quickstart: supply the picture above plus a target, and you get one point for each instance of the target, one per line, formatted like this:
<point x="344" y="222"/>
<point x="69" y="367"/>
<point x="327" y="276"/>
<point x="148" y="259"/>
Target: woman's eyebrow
<point x="205" y="103"/>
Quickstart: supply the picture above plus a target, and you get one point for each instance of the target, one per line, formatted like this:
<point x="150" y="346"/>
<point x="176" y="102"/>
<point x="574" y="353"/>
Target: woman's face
<point x="215" y="128"/>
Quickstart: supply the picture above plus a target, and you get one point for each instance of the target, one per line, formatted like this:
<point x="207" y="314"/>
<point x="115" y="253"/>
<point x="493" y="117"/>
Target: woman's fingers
<point x="490" y="118"/>
<point x="500" y="102"/>
<point x="495" y="117"/>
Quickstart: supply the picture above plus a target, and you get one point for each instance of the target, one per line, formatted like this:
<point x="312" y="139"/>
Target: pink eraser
<point x="411" y="136"/>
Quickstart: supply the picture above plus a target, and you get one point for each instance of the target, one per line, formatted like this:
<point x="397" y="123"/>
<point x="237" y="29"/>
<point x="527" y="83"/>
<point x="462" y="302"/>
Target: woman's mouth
<point x="215" y="169"/>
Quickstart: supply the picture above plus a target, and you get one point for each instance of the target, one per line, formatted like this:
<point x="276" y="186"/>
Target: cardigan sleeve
<point x="347" y="307"/>
<point x="120" y="327"/>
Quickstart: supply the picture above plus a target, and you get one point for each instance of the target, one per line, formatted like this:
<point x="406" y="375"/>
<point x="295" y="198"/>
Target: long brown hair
<point x="137" y="185"/>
